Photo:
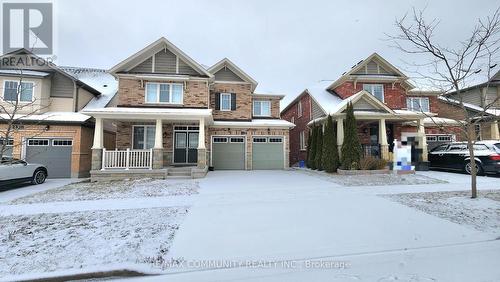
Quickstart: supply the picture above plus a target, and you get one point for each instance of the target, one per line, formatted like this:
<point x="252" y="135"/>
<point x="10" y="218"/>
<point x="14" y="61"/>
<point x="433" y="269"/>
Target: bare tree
<point x="19" y="104"/>
<point x="451" y="69"/>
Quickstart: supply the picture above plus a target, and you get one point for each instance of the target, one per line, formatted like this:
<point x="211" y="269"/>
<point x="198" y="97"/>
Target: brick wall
<point x="394" y="97"/>
<point x="243" y="101"/>
<point x="131" y="93"/>
<point x="300" y="125"/>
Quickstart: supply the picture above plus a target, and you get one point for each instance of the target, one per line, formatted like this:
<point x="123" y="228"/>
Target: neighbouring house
<point x="480" y="101"/>
<point x="175" y="117"/>
<point x="49" y="127"/>
<point x="386" y="104"/>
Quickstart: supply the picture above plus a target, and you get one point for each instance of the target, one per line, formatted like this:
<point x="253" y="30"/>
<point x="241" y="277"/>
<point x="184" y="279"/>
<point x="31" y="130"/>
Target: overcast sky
<point x="284" y="45"/>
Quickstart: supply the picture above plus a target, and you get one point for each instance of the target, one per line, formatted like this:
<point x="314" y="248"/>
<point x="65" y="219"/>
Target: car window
<point x="480" y="147"/>
<point x="440" y="148"/>
<point x="497" y="146"/>
<point x="455" y="148"/>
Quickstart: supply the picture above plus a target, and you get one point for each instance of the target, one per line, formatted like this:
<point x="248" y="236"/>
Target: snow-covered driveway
<point x="285" y="215"/>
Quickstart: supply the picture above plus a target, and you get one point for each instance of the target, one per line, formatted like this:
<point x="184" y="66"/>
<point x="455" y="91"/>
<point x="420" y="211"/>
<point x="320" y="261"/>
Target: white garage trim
<point x="228" y="141"/>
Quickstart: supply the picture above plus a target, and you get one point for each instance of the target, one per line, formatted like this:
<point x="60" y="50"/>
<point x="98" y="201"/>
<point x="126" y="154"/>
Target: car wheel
<point x="39" y="177"/>
<point x="468" y="168"/>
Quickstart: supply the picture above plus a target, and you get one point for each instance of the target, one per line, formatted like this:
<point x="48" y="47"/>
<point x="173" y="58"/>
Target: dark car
<point x="455" y="156"/>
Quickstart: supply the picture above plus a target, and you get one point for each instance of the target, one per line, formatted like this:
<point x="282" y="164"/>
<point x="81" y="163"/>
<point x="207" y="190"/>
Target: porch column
<point x="202" y="151"/>
<point x="382" y="135"/>
<point x="495" y="134"/>
<point x="97" y="147"/>
<point x="423" y="139"/>
<point x="158" y="147"/>
<point x="340" y="134"/>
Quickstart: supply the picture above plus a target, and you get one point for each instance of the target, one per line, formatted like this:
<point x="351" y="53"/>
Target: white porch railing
<point x="127" y="159"/>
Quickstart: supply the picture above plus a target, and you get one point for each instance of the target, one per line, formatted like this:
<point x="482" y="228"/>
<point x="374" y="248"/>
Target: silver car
<point x="18" y="171"/>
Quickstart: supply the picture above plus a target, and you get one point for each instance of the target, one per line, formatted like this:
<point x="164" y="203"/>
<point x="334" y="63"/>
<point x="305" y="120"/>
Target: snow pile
<point x="50" y="242"/>
<point x="139" y="188"/>
<point x="482" y="213"/>
<point x="372" y="180"/>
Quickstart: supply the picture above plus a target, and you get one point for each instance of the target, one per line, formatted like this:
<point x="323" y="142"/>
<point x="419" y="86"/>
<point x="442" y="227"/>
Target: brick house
<point x="175" y="117"/>
<point x="49" y="127"/>
<point x="387" y="107"/>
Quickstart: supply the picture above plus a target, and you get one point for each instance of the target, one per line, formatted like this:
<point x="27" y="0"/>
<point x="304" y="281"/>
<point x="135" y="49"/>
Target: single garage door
<point x="267" y="153"/>
<point x="228" y="152"/>
<point x="54" y="153"/>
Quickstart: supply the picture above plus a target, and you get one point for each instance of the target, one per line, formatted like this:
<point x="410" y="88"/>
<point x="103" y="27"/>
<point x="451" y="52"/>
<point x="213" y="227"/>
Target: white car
<point x="18" y="171"/>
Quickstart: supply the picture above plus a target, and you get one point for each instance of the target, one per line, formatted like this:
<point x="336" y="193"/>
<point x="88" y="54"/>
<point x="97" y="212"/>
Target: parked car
<point x="455" y="156"/>
<point x="18" y="171"/>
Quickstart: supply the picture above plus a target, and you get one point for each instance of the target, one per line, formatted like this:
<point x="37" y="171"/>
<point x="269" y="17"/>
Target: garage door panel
<point x="228" y="155"/>
<point x="268" y="155"/>
<point x="55" y="154"/>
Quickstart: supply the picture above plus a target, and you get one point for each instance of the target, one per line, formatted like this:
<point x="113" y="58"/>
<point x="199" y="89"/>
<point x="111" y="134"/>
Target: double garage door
<point x="229" y="152"/>
<point x="54" y="153"/>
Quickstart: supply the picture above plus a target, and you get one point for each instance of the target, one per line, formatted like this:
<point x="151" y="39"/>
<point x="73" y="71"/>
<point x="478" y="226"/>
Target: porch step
<point x="179" y="172"/>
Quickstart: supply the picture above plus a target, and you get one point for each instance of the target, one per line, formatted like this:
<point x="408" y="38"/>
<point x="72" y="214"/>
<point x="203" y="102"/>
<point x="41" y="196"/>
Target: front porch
<point x="155" y="143"/>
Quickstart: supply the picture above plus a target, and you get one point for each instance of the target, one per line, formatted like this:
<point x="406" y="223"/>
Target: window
<point x="167" y="93"/>
<point x="225" y="101"/>
<point x="376" y="90"/>
<point x="292" y="120"/>
<point x="445" y="138"/>
<point x="38" y="142"/>
<point x="455" y="148"/>
<point x="299" y="109"/>
<point x="431" y="138"/>
<point x="275" y="140"/>
<point x="220" y="140"/>
<point x="440" y="148"/>
<point x="262" y="108"/>
<point x="237" y="139"/>
<point x="302" y="141"/>
<point x="11" y="90"/>
<point x="143" y="137"/>
<point x="477" y="128"/>
<point x="259" y="140"/>
<point x="480" y="147"/>
<point x="10" y="142"/>
<point x="62" y="142"/>
<point x="418" y="104"/>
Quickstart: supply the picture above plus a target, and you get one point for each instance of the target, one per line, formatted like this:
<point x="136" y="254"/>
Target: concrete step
<point x="179" y="173"/>
<point x="178" y="176"/>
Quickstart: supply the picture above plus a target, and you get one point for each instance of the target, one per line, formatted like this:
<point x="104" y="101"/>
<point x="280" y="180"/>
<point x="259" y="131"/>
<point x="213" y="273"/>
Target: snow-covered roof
<point x="255" y="123"/>
<point x="98" y="79"/>
<point x="150" y="113"/>
<point x="495" y="112"/>
<point x="51" y="116"/>
<point x="281" y="96"/>
<point x="326" y="100"/>
<point x="435" y="121"/>
<point x="25" y="72"/>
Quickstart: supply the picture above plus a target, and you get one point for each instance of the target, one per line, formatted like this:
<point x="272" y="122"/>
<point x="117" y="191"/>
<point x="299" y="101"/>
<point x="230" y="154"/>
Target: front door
<point x="186" y="147"/>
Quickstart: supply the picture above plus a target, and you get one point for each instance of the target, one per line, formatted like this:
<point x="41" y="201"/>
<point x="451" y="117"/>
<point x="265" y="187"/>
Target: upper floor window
<point x="11" y="90"/>
<point x="299" y="109"/>
<point x="302" y="140"/>
<point x="225" y="101"/>
<point x="262" y="108"/>
<point x="166" y="93"/>
<point x="418" y="104"/>
<point x="376" y="90"/>
<point x="292" y="120"/>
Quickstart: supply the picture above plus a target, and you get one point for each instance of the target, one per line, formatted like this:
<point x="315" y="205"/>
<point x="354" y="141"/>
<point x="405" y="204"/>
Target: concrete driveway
<point x="11" y="192"/>
<point x="285" y="215"/>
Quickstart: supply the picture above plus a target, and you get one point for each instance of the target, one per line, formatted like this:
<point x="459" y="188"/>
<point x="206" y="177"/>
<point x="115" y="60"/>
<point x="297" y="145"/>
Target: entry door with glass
<point x="186" y="145"/>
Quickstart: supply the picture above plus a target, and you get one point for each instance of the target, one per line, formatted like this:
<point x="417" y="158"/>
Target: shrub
<point x="312" y="153"/>
<point x="308" y="149"/>
<point x="372" y="163"/>
<point x="330" y="159"/>
<point x="318" y="158"/>
<point x="351" y="147"/>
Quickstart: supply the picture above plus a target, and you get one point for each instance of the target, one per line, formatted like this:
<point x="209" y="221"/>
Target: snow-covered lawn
<point x="113" y="190"/>
<point x="49" y="242"/>
<point x="482" y="213"/>
<point x="372" y="180"/>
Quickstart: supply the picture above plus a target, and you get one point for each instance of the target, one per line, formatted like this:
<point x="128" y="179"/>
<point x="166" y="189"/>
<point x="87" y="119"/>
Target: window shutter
<point x="233" y="101"/>
<point x="217" y="101"/>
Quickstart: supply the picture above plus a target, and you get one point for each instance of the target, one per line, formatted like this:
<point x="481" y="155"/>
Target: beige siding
<point x="62" y="86"/>
<point x="492" y="96"/>
<point x="472" y="96"/>
<point x="362" y="104"/>
<point x="58" y="104"/>
<point x="40" y="95"/>
<point x="226" y="74"/>
<point x="83" y="98"/>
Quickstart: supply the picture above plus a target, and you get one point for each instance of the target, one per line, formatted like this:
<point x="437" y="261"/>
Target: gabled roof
<point x="319" y="94"/>
<point x="226" y="63"/>
<point x="469" y="106"/>
<point x="363" y="63"/>
<point x="372" y="100"/>
<point x="153" y="48"/>
<point x="52" y="66"/>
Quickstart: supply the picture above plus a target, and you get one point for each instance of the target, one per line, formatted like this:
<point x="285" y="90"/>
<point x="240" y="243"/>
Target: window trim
<point x="144" y="137"/>
<point x="373" y="85"/>
<point x="220" y="101"/>
<point x="299" y="109"/>
<point x="60" y="139"/>
<point x="260" y="102"/>
<point x="302" y="141"/>
<point x="171" y="84"/>
<point x="19" y="96"/>
<point x="38" y="139"/>
<point x="292" y="120"/>
<point x="264" y="139"/>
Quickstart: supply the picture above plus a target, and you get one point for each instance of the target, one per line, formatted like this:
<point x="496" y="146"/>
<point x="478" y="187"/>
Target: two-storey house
<point x="175" y="117"/>
<point x="43" y="102"/>
<point x="386" y="105"/>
